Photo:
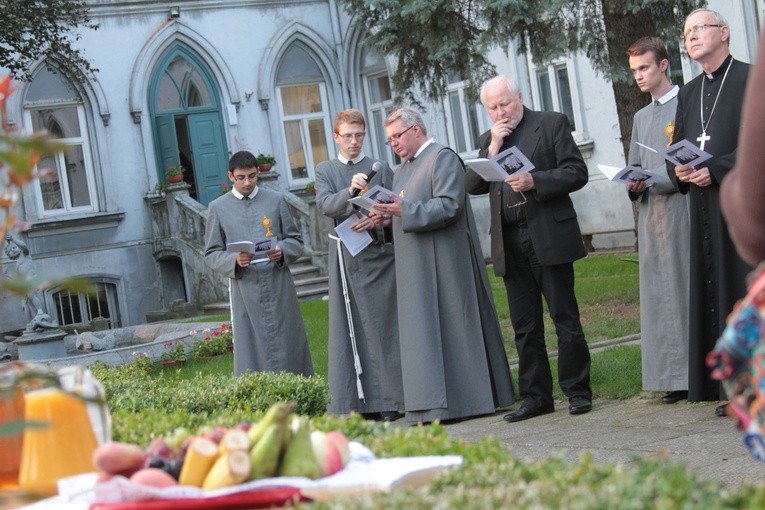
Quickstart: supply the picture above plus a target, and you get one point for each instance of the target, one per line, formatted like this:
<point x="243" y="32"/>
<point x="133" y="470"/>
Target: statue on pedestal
<point x="33" y="304"/>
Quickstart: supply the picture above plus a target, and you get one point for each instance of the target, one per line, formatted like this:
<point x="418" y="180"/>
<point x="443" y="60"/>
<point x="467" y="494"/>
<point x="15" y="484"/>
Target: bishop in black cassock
<point x="717" y="273"/>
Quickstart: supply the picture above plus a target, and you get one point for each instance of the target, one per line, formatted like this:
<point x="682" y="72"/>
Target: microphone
<point x="376" y="167"/>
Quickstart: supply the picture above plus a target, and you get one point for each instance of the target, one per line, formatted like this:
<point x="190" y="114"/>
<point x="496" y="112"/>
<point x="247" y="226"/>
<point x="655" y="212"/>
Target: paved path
<point x="617" y="431"/>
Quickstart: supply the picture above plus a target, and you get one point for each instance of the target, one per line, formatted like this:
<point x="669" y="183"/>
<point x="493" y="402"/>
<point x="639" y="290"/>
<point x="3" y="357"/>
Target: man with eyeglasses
<point x="535" y="239"/>
<point x="370" y="279"/>
<point x="453" y="360"/>
<point x="709" y="116"/>
<point x="268" y="329"/>
<point x="662" y="229"/>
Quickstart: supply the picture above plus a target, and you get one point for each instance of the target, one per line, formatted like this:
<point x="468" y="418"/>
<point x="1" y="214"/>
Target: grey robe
<point x="452" y="354"/>
<point x="268" y="329"/>
<point x="663" y="239"/>
<point x="371" y="279"/>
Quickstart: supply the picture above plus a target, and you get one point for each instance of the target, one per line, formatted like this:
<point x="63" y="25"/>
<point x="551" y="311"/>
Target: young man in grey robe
<point x="663" y="229"/>
<point x="371" y="285"/>
<point x="453" y="359"/>
<point x="268" y="329"/>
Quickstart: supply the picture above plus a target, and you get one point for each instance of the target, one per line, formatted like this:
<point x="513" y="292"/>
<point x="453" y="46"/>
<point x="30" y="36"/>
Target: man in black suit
<point x="535" y="239"/>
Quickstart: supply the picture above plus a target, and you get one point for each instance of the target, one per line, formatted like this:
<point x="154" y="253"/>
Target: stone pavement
<point x="616" y="431"/>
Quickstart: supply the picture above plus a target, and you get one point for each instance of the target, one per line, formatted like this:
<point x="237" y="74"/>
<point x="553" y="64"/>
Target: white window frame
<point x="375" y="130"/>
<point x="568" y="63"/>
<point x="305" y="134"/>
<point x="84" y="142"/>
<point x="484" y="122"/>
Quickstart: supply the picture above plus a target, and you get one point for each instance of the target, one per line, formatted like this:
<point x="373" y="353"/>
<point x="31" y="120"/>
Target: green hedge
<point x="491" y="477"/>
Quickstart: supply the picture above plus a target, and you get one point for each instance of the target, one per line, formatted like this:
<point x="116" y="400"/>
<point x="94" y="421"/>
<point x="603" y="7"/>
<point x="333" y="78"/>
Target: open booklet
<point x="681" y="153"/>
<point x="375" y="195"/>
<point x="353" y="241"/>
<point x="258" y="248"/>
<point x="628" y="174"/>
<point x="503" y="165"/>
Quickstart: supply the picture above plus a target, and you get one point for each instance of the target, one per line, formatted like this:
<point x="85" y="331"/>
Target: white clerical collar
<point x="669" y="95"/>
<point x="423" y="147"/>
<point x="355" y="160"/>
<point x="240" y="196"/>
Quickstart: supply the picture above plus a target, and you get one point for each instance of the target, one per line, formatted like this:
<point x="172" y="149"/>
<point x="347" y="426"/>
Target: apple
<point x="341" y="443"/>
<point x="326" y="452"/>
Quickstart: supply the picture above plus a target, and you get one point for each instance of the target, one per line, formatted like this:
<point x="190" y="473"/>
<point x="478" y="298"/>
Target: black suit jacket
<point x="559" y="169"/>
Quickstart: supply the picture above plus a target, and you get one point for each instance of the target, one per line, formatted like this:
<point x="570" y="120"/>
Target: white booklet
<point x="258" y="248"/>
<point x="354" y="241"/>
<point x="375" y="195"/>
<point x="681" y="153"/>
<point x="628" y="174"/>
<point x="503" y="165"/>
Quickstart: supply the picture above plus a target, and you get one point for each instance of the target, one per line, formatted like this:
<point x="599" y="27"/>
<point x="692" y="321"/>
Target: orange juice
<point x="63" y="448"/>
<point x="11" y="409"/>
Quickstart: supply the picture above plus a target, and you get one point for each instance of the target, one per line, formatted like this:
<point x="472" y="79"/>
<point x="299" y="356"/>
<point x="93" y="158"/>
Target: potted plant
<point x="311" y="188"/>
<point x="174" y="173"/>
<point x="215" y="342"/>
<point x="174" y="355"/>
<point x="265" y="161"/>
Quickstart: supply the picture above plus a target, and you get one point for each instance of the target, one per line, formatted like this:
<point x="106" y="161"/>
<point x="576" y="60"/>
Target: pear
<point x="266" y="454"/>
<point x="299" y="459"/>
<point x="277" y="413"/>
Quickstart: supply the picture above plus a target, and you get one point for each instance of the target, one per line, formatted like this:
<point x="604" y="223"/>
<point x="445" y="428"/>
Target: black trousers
<point x="526" y="281"/>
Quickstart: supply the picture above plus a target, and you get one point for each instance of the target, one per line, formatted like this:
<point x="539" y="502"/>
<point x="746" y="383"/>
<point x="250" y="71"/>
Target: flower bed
<point x="215" y="342"/>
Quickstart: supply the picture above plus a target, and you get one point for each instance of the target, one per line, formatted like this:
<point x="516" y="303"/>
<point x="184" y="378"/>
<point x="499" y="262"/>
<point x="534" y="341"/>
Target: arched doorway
<point x="188" y="127"/>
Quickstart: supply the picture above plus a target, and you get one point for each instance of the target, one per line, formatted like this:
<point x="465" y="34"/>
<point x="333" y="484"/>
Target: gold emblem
<point x="267" y="223"/>
<point x="669" y="130"/>
<point x="401" y="194"/>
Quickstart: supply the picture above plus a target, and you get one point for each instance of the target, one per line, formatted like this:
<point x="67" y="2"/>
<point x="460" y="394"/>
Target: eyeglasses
<point x="242" y="178"/>
<point x="395" y="137"/>
<point x="697" y="29"/>
<point x="513" y="206"/>
<point x="352" y="136"/>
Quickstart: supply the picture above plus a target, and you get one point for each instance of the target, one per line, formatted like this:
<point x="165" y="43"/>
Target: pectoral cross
<point x="703" y="138"/>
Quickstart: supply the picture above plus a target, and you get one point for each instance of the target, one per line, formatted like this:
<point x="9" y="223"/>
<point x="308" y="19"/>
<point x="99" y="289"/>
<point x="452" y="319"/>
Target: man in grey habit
<point x="268" y="329"/>
<point x="370" y="280"/>
<point x="453" y="359"/>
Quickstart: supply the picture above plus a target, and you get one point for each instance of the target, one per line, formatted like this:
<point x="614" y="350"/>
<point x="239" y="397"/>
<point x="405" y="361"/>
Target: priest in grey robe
<point x="663" y="230"/>
<point x="453" y="359"/>
<point x="268" y="329"/>
<point x="709" y="116"/>
<point x="371" y="285"/>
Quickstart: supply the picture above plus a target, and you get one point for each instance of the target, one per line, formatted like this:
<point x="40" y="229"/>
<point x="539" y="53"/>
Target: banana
<point x="230" y="469"/>
<point x="233" y="440"/>
<point x="200" y="457"/>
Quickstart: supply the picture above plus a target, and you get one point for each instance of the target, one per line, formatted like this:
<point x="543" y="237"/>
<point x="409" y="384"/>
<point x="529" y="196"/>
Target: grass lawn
<point x="607" y="292"/>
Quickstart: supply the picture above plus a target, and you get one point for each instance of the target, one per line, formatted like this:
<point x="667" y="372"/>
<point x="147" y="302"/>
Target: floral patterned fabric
<point x="738" y="360"/>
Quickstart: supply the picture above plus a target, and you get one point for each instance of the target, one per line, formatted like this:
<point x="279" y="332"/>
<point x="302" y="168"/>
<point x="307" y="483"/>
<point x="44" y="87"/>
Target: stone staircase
<point x="309" y="283"/>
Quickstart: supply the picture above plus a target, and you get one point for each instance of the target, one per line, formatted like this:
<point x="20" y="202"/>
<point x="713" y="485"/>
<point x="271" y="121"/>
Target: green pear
<point x="266" y="454"/>
<point x="299" y="460"/>
<point x="278" y="413"/>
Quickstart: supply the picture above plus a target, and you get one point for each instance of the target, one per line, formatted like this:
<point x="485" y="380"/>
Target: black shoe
<point x="371" y="416"/>
<point x="721" y="410"/>
<point x="390" y="415"/>
<point x="579" y="405"/>
<point x="528" y="410"/>
<point x="673" y="397"/>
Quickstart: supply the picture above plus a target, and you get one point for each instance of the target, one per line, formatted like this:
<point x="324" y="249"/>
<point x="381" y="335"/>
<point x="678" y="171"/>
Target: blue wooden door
<point x="209" y="155"/>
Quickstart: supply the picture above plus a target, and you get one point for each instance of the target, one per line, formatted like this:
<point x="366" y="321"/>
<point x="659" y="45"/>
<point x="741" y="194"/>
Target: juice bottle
<point x="64" y="447"/>
<point x="11" y="409"/>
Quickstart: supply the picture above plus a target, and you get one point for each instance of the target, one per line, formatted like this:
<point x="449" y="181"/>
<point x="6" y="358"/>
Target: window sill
<point x="75" y="223"/>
